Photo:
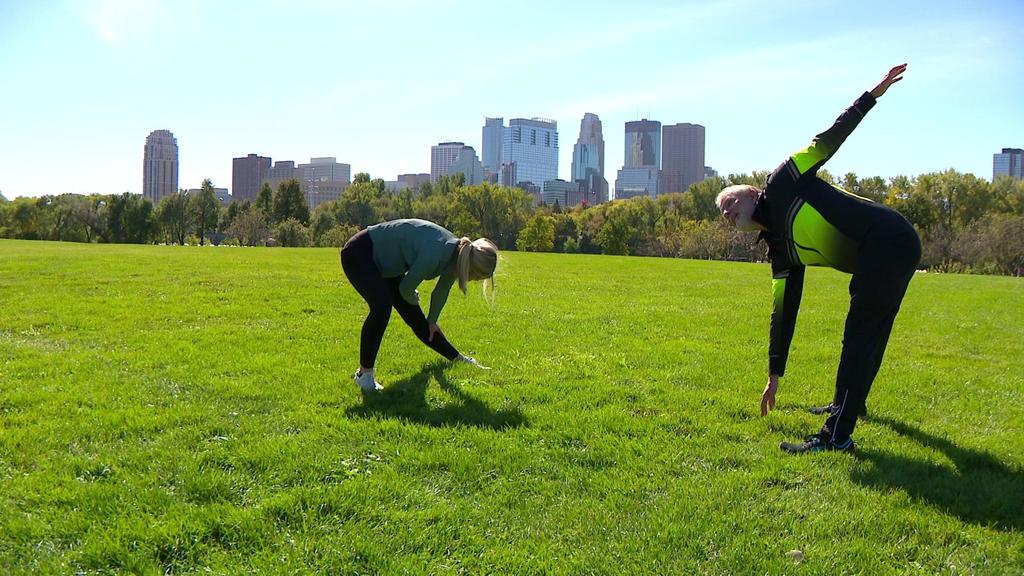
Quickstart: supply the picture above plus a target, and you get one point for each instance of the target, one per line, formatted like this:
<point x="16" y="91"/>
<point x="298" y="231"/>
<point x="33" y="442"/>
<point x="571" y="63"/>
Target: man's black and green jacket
<point x="810" y="222"/>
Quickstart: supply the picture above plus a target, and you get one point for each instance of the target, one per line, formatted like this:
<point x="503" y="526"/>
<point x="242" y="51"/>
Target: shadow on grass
<point x="407" y="400"/>
<point x="978" y="488"/>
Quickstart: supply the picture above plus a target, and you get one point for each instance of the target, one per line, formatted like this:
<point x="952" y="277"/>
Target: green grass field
<point x="191" y="410"/>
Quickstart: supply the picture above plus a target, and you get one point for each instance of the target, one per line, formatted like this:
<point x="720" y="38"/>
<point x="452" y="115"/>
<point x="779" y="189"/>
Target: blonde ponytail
<point x="476" y="261"/>
<point x="462" y="263"/>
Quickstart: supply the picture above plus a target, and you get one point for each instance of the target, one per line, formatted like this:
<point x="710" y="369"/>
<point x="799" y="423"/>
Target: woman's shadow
<point x="978" y="488"/>
<point x="407" y="400"/>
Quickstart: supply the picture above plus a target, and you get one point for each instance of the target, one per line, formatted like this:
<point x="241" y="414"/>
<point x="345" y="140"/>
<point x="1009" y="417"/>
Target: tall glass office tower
<point x="1008" y="163"/>
<point x="588" y="160"/>
<point x="641" y="169"/>
<point x="530" y="151"/>
<point x="493" y="137"/>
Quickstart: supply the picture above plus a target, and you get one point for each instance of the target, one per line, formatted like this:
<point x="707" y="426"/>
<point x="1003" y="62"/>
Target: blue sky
<point x="376" y="83"/>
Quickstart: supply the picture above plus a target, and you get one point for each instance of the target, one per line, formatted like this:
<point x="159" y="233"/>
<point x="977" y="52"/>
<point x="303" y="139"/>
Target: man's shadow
<point x="978" y="488"/>
<point x="407" y="400"/>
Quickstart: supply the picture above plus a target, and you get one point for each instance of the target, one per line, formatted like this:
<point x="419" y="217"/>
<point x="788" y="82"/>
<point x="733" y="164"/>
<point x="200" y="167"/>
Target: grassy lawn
<point x="191" y="410"/>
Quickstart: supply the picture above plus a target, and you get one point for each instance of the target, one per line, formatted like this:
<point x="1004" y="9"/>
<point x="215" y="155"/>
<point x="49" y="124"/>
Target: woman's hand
<point x="894" y="76"/>
<point x="768" y="396"/>
<point x="432" y="329"/>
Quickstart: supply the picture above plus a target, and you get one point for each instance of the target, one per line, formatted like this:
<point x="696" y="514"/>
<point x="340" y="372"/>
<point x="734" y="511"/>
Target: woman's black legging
<point x="381" y="295"/>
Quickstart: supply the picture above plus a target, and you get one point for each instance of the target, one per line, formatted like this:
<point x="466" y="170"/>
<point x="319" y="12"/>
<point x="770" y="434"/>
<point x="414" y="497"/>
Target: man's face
<point x="738" y="209"/>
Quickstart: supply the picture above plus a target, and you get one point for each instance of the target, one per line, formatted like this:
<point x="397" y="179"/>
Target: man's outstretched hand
<point x="894" y="76"/>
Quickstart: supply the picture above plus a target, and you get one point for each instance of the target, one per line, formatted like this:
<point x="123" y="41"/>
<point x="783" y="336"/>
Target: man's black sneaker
<point x="830" y="409"/>
<point x="817" y="443"/>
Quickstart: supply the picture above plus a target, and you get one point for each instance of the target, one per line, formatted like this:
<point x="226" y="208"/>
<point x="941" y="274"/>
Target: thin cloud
<point x="115" y="20"/>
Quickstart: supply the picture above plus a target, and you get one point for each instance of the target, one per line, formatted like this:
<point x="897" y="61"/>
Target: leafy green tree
<point x="500" y="211"/>
<point x="615" y="232"/>
<point x="566" y="231"/>
<point x="66" y="225"/>
<point x="265" y="200"/>
<point x="4" y="216"/>
<point x="290" y="202"/>
<point x="357" y="205"/>
<point x="915" y="202"/>
<point x="25" y="217"/>
<point x="92" y="213"/>
<point x="130" y="219"/>
<point x="873" y="188"/>
<point x="174" y="217"/>
<point x="539" y="234"/>
<point x="321" y="223"/>
<point x="250" y="227"/>
<point x="1008" y="195"/>
<point x="698" y="202"/>
<point x="291" y="233"/>
<point x="204" y="209"/>
<point x="404" y="203"/>
<point x="337" y="236"/>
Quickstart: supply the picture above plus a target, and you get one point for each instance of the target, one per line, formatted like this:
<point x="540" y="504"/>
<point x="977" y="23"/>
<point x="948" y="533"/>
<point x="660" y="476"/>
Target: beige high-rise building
<point x="160" y="165"/>
<point x="247" y="175"/>
<point x="323" y="179"/>
<point x="442" y="156"/>
<point x="682" y="156"/>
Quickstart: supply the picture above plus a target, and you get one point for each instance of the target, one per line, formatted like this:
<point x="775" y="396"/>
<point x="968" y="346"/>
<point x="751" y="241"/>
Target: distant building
<point x="641" y="170"/>
<point x="247" y="175"/>
<point x="530" y="148"/>
<point x="710" y="172"/>
<point x="491" y="145"/>
<point x="442" y="156"/>
<point x="281" y="171"/>
<point x="394" y="186"/>
<point x="633" y="182"/>
<point x="413" y="181"/>
<point x="1010" y="162"/>
<point x="221" y="193"/>
<point x="682" y="160"/>
<point x="588" y="161"/>
<point x="159" y="165"/>
<point x="323" y="179"/>
<point x="565" y="194"/>
<point x="467" y="164"/>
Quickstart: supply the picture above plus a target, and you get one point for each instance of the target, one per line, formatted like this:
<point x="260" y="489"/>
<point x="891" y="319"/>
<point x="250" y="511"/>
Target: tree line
<point x="966" y="224"/>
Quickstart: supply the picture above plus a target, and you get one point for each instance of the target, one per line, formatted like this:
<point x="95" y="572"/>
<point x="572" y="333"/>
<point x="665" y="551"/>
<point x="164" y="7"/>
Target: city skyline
<point x="359" y="88"/>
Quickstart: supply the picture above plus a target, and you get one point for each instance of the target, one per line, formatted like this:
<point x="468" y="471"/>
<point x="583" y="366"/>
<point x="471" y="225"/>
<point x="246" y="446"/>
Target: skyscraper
<point x="530" y="148"/>
<point x="1008" y="163"/>
<point x="641" y="169"/>
<point x="683" y="157"/>
<point x="247" y="175"/>
<point x="160" y="165"/>
<point x="323" y="179"/>
<point x="493" y="136"/>
<point x="442" y="156"/>
<point x="588" y="160"/>
<point x="467" y="164"/>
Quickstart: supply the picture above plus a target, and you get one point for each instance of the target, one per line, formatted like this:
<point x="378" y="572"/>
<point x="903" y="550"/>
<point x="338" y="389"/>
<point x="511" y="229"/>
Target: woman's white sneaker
<point x="366" y="381"/>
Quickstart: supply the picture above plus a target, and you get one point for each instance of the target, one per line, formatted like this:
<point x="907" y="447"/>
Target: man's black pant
<point x="887" y="261"/>
<point x="382" y="294"/>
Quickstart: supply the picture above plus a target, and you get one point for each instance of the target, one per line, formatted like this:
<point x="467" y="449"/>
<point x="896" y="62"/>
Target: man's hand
<point x="432" y="329"/>
<point x="894" y="76"/>
<point x="768" y="396"/>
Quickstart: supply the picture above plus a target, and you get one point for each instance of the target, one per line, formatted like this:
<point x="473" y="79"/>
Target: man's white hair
<point x="735" y="190"/>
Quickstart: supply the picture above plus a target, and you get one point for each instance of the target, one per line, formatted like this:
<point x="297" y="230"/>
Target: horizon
<point x="295" y="81"/>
